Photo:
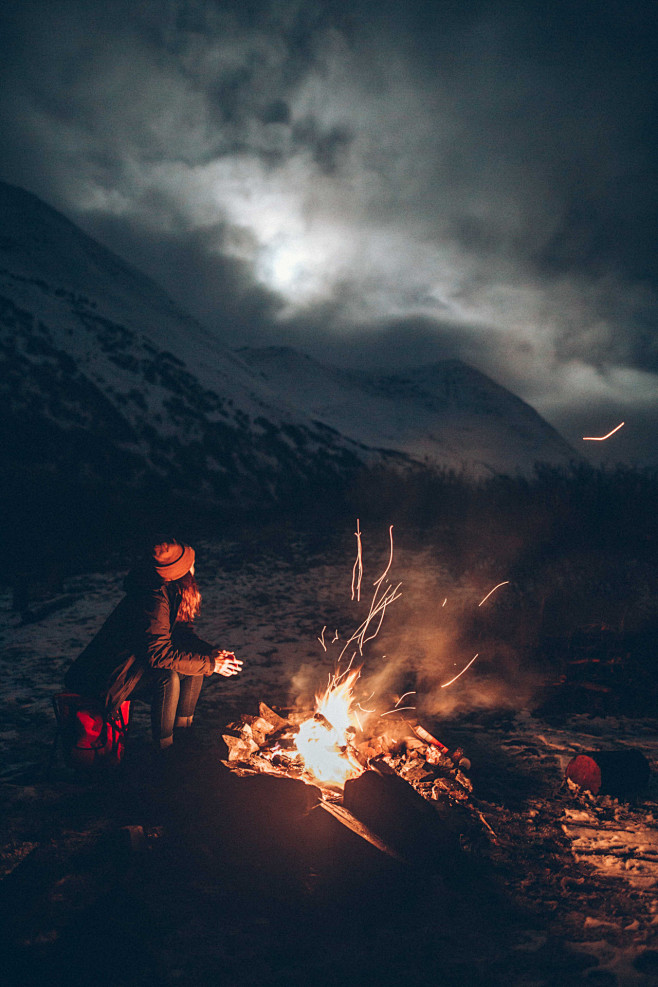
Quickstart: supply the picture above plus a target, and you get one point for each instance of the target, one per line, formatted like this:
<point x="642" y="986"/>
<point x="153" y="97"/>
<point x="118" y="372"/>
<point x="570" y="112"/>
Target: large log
<point x="347" y="819"/>
<point x="422" y="833"/>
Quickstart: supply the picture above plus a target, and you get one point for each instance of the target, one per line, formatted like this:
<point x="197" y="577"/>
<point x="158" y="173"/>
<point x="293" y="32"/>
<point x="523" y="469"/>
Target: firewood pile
<point x="265" y="743"/>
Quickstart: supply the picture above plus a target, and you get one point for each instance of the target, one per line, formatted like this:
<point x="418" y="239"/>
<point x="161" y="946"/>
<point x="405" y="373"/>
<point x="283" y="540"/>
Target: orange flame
<point x="324" y="739"/>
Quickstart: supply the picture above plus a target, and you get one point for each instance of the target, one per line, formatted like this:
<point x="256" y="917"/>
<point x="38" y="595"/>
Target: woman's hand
<point x="226" y="663"/>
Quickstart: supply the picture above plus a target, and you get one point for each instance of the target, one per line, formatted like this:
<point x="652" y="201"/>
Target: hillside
<point x="445" y="414"/>
<point x="115" y="403"/>
<point x="105" y="380"/>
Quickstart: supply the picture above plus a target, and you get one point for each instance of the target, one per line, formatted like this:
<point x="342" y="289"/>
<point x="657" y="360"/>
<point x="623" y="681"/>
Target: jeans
<point x="173" y="699"/>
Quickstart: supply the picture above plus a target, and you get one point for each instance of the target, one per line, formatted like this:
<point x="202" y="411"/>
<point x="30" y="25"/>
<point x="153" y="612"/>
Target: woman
<point x="147" y="648"/>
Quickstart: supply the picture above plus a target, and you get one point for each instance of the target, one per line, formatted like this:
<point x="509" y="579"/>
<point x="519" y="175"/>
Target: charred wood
<point x="423" y="834"/>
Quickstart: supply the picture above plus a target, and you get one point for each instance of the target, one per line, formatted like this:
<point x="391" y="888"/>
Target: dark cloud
<point x="328" y="147"/>
<point x="369" y="181"/>
<point x="386" y="343"/>
<point x="184" y="260"/>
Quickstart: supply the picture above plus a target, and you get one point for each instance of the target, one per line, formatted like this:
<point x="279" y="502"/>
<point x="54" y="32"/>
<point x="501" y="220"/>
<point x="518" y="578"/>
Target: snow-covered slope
<point x="444" y="414"/>
<point x="102" y="376"/>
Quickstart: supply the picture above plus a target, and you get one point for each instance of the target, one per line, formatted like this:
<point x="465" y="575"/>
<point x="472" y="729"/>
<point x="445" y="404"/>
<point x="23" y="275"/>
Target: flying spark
<point x="404" y="696"/>
<point x="378" y="607"/>
<point x="446" y="684"/>
<point x="357" y="571"/>
<point x="504" y="583"/>
<point x="601" y="438"/>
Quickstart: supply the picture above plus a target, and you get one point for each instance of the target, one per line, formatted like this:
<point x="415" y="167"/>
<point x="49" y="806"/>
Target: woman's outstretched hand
<point x="226" y="663"/>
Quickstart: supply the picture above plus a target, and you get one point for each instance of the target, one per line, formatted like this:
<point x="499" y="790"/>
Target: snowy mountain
<point x="445" y="414"/>
<point x="103" y="378"/>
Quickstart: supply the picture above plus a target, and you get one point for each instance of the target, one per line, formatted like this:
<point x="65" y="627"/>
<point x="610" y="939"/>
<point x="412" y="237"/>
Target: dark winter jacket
<point x="141" y="633"/>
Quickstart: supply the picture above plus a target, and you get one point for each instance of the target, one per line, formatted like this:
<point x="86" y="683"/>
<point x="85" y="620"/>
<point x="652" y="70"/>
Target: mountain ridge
<point x="446" y="414"/>
<point x="105" y="380"/>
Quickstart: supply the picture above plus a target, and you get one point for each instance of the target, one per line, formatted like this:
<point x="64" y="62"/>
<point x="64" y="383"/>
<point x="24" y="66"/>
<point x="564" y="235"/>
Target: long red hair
<point x="190" y="602"/>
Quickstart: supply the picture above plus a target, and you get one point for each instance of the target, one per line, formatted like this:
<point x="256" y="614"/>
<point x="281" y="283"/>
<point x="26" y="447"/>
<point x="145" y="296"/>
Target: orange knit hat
<point x="172" y="560"/>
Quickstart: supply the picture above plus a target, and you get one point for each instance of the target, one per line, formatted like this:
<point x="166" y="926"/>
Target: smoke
<point x="427" y="638"/>
<point x="428" y="645"/>
<point x="304" y="687"/>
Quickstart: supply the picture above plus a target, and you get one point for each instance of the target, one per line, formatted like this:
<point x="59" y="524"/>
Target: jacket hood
<point x="142" y="577"/>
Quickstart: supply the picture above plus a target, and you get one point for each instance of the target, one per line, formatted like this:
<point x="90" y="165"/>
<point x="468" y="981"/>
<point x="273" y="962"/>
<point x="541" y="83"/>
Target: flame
<point x="324" y="740"/>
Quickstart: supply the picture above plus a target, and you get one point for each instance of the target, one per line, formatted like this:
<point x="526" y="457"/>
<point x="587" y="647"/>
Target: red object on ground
<point x="622" y="773"/>
<point x="585" y="772"/>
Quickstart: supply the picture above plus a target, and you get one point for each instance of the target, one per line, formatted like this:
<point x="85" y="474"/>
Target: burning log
<point x="402" y="791"/>
<point x="427" y="737"/>
<point x="276" y="721"/>
<point x="240" y="748"/>
<point x="321" y="718"/>
<point x="346" y="818"/>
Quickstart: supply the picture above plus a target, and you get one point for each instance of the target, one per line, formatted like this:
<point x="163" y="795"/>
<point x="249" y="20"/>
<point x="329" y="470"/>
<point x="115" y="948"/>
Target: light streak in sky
<point x="505" y="582"/>
<point x="601" y="438"/>
<point x="446" y="684"/>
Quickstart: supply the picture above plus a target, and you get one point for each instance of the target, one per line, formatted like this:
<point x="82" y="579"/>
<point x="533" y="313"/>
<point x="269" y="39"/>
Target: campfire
<point x="311" y="748"/>
<point x="338" y="742"/>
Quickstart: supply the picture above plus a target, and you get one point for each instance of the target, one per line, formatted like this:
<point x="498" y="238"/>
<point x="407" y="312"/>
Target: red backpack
<point x="88" y="734"/>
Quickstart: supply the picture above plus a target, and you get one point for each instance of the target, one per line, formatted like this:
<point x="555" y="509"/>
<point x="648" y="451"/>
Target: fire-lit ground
<point x="243" y="880"/>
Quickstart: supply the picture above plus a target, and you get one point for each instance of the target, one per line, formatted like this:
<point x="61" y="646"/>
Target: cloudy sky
<point x="377" y="183"/>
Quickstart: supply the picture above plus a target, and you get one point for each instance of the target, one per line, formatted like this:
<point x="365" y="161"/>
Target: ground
<point x="190" y="875"/>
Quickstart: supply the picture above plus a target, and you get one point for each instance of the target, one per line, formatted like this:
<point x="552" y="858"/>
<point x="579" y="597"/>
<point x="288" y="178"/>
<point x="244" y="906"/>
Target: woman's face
<point x="192" y="569"/>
